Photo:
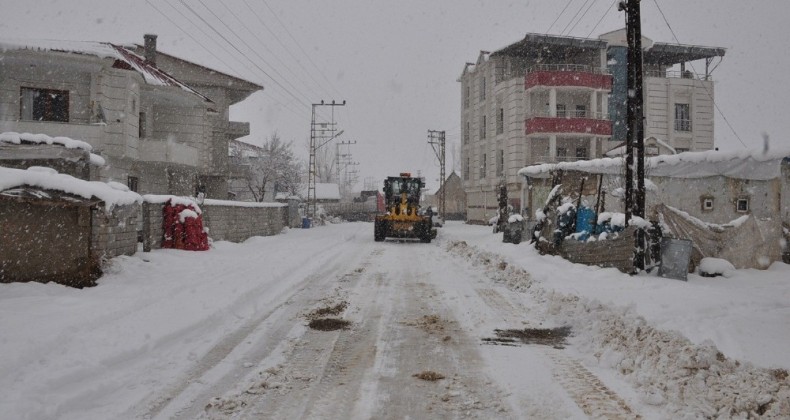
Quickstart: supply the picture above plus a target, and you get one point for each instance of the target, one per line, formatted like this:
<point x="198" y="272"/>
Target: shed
<point x="62" y="229"/>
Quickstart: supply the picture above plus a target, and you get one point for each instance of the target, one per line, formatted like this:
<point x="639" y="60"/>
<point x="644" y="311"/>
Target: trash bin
<point x="306" y="223"/>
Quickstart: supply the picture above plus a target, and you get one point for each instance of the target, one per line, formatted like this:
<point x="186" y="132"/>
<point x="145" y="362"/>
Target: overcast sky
<point x="396" y="62"/>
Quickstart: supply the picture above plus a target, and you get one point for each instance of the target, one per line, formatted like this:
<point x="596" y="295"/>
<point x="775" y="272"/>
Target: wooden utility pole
<point x="635" y="200"/>
<point x="437" y="139"/>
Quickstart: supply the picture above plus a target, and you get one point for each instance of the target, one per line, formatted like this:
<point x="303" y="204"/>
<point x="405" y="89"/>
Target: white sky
<point x="396" y="62"/>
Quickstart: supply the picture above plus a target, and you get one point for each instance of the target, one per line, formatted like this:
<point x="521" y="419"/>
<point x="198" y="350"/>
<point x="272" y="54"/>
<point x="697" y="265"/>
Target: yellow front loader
<point x="402" y="218"/>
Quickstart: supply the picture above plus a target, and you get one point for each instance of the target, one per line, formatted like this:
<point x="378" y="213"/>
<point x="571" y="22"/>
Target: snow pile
<point x="51" y="180"/>
<point x="515" y="218"/>
<point x="496" y="267"/>
<point x="69" y="143"/>
<point x="682" y="378"/>
<point x="711" y="267"/>
<point x="174" y="201"/>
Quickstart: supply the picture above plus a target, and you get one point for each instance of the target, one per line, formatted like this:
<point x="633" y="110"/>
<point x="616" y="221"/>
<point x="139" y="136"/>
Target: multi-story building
<point x="548" y="98"/>
<point x="160" y="122"/>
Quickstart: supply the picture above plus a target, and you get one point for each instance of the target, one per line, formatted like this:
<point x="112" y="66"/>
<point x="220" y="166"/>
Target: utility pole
<point x="342" y="159"/>
<point x="437" y="139"/>
<point x="315" y="137"/>
<point x="635" y="201"/>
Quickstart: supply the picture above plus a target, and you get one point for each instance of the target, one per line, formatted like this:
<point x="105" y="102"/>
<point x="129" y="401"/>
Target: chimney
<point x="150" y="49"/>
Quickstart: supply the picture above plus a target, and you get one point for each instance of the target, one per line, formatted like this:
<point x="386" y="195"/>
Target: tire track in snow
<point x="307" y="287"/>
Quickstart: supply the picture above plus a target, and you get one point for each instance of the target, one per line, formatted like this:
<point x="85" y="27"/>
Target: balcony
<point x="238" y="129"/>
<point x="568" y="75"/>
<point x="569" y="122"/>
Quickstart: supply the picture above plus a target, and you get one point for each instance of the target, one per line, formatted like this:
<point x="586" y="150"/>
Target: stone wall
<point x="229" y="222"/>
<point x="232" y="221"/>
<point x="114" y="233"/>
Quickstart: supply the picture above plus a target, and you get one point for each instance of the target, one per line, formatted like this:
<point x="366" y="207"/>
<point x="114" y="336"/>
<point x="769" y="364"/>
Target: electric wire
<point x="213" y="54"/>
<point x="703" y="85"/>
<point x="285" y="47"/>
<point x="574" y="16"/>
<point x="260" y="41"/>
<point x="582" y="16"/>
<point x="559" y="15"/>
<point x="244" y="55"/>
<point x="254" y="51"/>
<point x="602" y="17"/>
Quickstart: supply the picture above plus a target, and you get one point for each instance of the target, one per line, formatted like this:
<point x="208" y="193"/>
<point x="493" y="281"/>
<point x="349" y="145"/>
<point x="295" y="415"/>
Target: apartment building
<point x="548" y="98"/>
<point x="160" y="122"/>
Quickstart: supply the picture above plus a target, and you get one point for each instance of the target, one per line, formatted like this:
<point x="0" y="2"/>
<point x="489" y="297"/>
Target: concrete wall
<point x="45" y="241"/>
<point x="225" y="221"/>
<point x="237" y="224"/>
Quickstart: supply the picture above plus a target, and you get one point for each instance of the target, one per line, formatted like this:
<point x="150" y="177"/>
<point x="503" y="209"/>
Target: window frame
<point x="48" y="113"/>
<point x="683" y="110"/>
<point x="742" y="199"/>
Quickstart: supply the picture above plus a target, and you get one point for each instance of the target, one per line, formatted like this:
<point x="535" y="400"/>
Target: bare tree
<point x="272" y="168"/>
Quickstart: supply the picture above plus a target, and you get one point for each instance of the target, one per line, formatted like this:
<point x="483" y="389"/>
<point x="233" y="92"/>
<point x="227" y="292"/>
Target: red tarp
<point x="188" y="235"/>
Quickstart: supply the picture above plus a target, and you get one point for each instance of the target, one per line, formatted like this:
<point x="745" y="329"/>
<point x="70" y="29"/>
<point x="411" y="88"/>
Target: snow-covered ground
<point x="222" y="334"/>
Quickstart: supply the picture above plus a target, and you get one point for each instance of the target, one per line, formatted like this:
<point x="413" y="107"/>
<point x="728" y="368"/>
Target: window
<point x="742" y="205"/>
<point x="142" y="128"/>
<point x="466" y="98"/>
<point x="466" y="133"/>
<point x="483" y="127"/>
<point x="581" y="153"/>
<point x="707" y="203"/>
<point x="682" y="117"/>
<point x="581" y="111"/>
<point x="483" y="167"/>
<point x="500" y="162"/>
<point x="483" y="88"/>
<point x="500" y="121"/>
<point x="562" y="153"/>
<point x="560" y="110"/>
<point x="132" y="182"/>
<point x="44" y="105"/>
<point x="466" y="169"/>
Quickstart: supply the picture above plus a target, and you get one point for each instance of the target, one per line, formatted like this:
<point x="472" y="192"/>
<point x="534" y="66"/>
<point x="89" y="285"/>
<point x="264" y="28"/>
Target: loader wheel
<point x="425" y="233"/>
<point x="378" y="231"/>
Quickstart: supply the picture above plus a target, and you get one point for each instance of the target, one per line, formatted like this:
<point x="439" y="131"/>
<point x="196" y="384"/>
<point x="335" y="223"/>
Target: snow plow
<point x="401" y="218"/>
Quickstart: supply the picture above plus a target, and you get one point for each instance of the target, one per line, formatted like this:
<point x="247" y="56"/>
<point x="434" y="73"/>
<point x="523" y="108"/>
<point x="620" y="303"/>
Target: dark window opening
<point x="682" y="117"/>
<point x="500" y="121"/>
<point x="132" y="183"/>
<point x="44" y="105"/>
<point x="581" y="153"/>
<point x="742" y="205"/>
<point x="142" y="128"/>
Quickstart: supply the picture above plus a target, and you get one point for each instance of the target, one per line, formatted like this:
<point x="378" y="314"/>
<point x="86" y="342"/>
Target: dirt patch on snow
<point x="329" y="310"/>
<point x="328" y="324"/>
<point x="429" y="375"/>
<point x="554" y="337"/>
<point x="428" y="323"/>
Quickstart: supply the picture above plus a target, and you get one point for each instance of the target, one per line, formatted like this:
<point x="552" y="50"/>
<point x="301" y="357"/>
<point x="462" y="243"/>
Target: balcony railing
<point x="568" y="75"/>
<point x="675" y="74"/>
<point x="580" y="68"/>
<point x="596" y="125"/>
<point x="571" y="113"/>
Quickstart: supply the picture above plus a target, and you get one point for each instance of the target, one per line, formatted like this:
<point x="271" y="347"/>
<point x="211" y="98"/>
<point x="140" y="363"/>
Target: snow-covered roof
<point x="123" y="56"/>
<point x="111" y="194"/>
<point x="20" y="138"/>
<point x="746" y="164"/>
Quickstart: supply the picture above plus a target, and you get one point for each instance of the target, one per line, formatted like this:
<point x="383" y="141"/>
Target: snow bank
<point x="670" y="372"/>
<point x="716" y="267"/>
<point x="51" y="180"/>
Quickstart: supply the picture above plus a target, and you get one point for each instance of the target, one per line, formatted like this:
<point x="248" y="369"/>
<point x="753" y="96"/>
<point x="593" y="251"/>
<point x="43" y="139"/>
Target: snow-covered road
<point x="224" y="334"/>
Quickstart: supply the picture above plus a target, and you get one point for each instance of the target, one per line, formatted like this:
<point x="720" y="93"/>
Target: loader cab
<point x="395" y="186"/>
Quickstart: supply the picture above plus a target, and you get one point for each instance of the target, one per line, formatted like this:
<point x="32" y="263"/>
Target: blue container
<point x="584" y="221"/>
<point x="306" y="223"/>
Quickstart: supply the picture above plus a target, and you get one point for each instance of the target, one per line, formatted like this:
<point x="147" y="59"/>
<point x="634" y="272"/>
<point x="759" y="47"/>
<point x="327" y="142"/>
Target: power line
<point x="254" y="51"/>
<point x="276" y="56"/>
<point x="244" y="55"/>
<point x="285" y="47"/>
<point x="601" y="19"/>
<point x="582" y="16"/>
<point x="201" y="44"/>
<point x="703" y="85"/>
<point x="558" y="16"/>
<point x="300" y="47"/>
<point x="574" y="16"/>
